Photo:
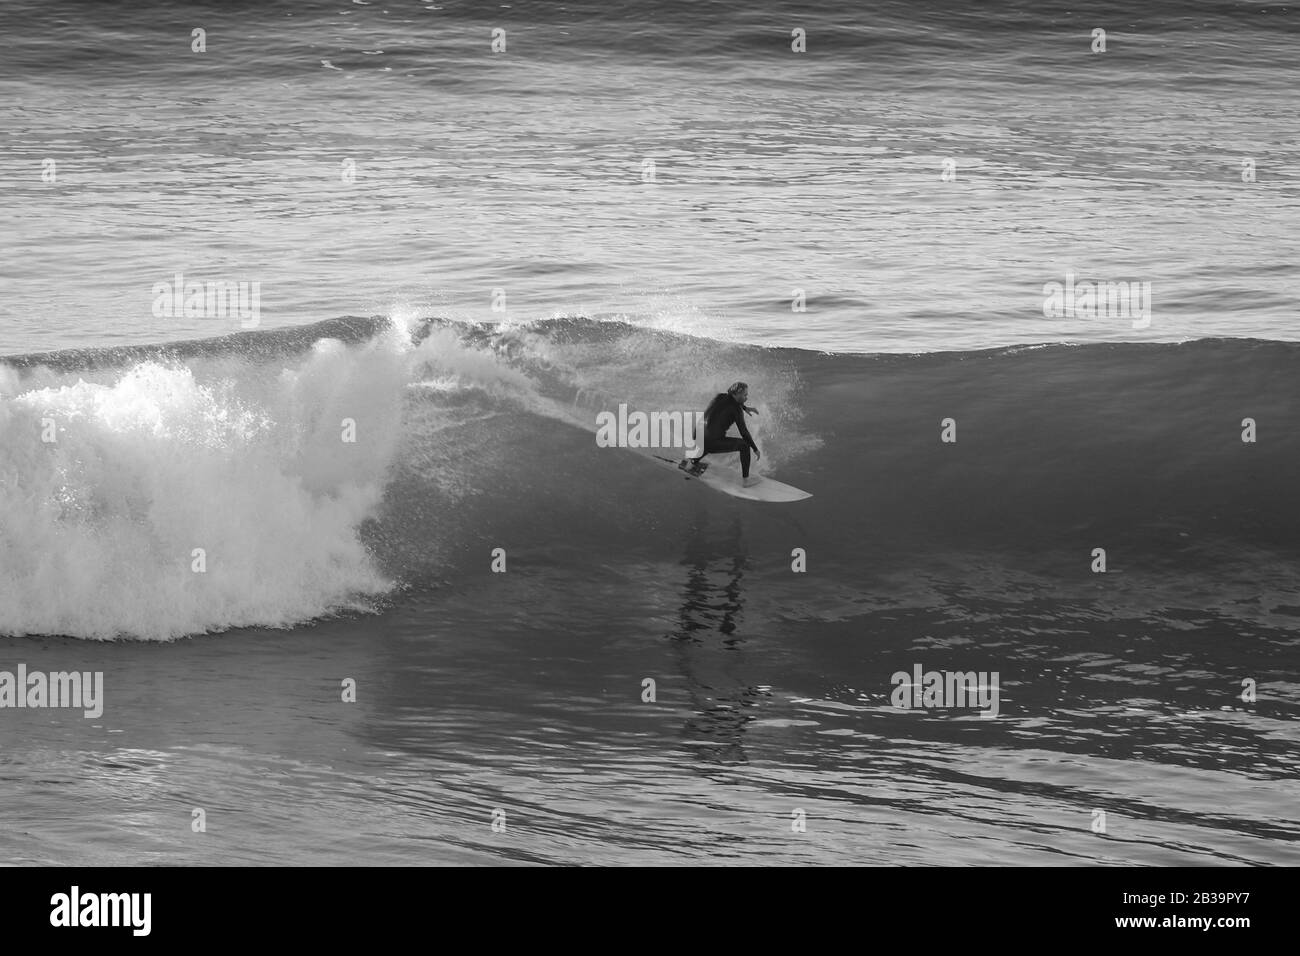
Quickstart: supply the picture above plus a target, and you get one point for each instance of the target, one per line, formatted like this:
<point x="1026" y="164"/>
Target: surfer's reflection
<point x="712" y="595"/>
<point x="710" y="620"/>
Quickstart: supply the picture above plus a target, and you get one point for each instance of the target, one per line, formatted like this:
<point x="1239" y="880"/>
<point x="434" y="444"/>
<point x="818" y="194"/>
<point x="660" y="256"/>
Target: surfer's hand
<point x="757" y="455"/>
<point x="749" y="411"/>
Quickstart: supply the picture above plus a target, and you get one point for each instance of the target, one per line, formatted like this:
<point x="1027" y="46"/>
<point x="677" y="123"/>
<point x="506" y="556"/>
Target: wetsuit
<point x="722" y="413"/>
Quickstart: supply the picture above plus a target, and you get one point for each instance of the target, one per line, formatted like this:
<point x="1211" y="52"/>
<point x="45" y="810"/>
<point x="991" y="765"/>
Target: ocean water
<point x="524" y="171"/>
<point x="464" y="257"/>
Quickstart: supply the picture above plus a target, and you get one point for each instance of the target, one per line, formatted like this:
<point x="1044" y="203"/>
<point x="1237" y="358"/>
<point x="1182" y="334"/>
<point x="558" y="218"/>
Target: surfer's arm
<point x="744" y="433"/>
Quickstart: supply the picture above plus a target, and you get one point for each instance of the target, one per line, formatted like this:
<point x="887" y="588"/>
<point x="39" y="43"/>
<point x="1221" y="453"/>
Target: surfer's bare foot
<point x="752" y="480"/>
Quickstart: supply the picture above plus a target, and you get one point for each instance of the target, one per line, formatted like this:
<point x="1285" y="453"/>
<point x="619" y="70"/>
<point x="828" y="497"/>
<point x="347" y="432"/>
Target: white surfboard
<point x="729" y="482"/>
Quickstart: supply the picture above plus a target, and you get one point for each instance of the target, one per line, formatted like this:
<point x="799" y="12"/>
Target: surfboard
<point x="729" y="482"/>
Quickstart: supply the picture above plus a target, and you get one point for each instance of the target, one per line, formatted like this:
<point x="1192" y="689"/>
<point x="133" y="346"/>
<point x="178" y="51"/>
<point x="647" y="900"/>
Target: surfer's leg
<point x="724" y="445"/>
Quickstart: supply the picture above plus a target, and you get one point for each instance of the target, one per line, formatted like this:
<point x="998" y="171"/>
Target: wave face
<point x="469" y="437"/>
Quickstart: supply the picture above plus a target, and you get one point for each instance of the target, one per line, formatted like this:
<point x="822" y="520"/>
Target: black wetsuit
<point x="722" y="413"/>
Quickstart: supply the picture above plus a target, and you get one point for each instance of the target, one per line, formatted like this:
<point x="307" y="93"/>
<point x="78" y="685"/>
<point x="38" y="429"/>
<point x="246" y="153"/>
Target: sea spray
<point x="173" y="499"/>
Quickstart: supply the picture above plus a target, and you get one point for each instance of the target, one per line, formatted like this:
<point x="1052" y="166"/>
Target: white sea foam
<point x="99" y="528"/>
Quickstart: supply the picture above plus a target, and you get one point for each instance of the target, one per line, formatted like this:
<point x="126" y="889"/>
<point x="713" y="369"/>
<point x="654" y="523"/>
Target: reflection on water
<point x="712" y="614"/>
<point x="712" y="598"/>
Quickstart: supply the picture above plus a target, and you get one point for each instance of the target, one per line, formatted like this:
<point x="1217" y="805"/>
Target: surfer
<point x="726" y="409"/>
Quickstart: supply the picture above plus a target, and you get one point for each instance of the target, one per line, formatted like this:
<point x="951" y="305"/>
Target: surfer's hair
<point x="737" y="388"/>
